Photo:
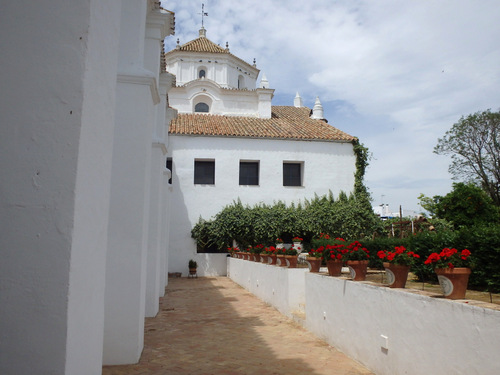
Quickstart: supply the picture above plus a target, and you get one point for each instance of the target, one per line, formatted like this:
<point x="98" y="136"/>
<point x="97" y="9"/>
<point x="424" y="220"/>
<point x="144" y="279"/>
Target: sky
<point x="397" y="74"/>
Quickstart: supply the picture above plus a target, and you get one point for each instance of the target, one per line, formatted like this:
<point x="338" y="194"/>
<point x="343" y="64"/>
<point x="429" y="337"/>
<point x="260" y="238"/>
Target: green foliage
<point x="426" y="243"/>
<point x="261" y="224"/>
<point x="428" y="203"/>
<point x="484" y="243"/>
<point x="466" y="205"/>
<point x="474" y="145"/>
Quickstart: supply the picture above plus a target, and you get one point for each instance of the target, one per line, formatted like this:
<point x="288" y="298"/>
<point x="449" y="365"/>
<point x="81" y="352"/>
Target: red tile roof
<point x="204" y="45"/>
<point x="286" y="122"/>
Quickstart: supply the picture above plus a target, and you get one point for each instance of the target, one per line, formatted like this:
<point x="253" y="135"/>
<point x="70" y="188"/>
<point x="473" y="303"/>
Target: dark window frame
<point x="169" y="165"/>
<point x="202" y="107"/>
<point x="293" y="174"/>
<point x="249" y="172"/>
<point x="204" y="172"/>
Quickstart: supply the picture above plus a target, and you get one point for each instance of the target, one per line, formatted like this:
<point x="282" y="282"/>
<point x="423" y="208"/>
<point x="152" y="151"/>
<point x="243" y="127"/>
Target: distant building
<point x="229" y="142"/>
<point x="384" y="212"/>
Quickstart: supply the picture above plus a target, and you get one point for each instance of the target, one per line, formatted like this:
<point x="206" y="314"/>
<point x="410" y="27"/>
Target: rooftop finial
<point x="317" y="110"/>
<point x="297" y="102"/>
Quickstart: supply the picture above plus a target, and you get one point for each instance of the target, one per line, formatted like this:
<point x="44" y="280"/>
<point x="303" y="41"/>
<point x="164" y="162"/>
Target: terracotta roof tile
<point x="286" y="122"/>
<point x="204" y="45"/>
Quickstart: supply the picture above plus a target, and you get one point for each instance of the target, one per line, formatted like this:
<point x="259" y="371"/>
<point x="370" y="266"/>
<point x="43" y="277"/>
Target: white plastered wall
<point x="57" y="113"/>
<point x="134" y="237"/>
<point x="327" y="166"/>
<point x="397" y="332"/>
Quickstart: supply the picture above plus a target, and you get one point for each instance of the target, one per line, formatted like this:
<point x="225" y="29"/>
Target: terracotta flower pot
<point x="264" y="258"/>
<point x="256" y="257"/>
<point x="291" y="261"/>
<point x="397" y="274"/>
<point x="314" y="264"/>
<point x="280" y="260"/>
<point x="358" y="269"/>
<point x="272" y="259"/>
<point x="334" y="267"/>
<point x="453" y="281"/>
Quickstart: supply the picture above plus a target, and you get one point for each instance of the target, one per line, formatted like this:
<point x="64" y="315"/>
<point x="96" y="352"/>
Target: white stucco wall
<point x="424" y="335"/>
<point x="57" y="95"/>
<point x="390" y="331"/>
<point x="221" y="68"/>
<point x="283" y="288"/>
<point x="134" y="256"/>
<point x="327" y="166"/>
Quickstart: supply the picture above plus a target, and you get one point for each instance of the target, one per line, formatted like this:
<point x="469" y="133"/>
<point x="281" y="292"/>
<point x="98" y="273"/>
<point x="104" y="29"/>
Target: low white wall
<point x="209" y="264"/>
<point x="283" y="288"/>
<point x="425" y="335"/>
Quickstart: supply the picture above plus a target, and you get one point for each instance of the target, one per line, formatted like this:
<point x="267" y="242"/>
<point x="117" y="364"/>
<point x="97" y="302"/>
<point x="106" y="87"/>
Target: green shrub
<point x="484" y="243"/>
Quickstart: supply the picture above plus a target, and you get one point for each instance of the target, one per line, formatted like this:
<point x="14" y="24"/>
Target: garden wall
<point x="283" y="288"/>
<point x="390" y="331"/>
<point x="209" y="264"/>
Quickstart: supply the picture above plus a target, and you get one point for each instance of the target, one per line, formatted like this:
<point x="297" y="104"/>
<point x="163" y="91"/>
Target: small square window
<point x="292" y="174"/>
<point x="204" y="172"/>
<point x="249" y="172"/>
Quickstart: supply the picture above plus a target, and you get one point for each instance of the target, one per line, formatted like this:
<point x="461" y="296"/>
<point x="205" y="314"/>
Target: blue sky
<point x="395" y="73"/>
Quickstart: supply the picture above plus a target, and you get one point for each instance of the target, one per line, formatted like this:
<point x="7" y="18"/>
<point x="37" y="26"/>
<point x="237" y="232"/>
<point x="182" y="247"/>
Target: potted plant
<point x="357" y="260"/>
<point x="453" y="269"/>
<point x="271" y="254"/>
<point x="334" y="255"/>
<point x="279" y="243"/>
<point x="397" y="265"/>
<point x="280" y="256"/>
<point x="314" y="259"/>
<point x="297" y="241"/>
<point x="192" y="265"/>
<point x="291" y="255"/>
<point x="233" y="251"/>
<point x="256" y="251"/>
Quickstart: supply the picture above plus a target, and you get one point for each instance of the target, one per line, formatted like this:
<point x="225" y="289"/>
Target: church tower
<point x="212" y="80"/>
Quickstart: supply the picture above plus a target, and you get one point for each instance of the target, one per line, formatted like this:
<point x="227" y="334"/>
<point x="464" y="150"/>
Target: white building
<point x="83" y="134"/>
<point x="228" y="142"/>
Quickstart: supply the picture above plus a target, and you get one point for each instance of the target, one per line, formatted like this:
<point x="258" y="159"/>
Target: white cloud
<point x="395" y="73"/>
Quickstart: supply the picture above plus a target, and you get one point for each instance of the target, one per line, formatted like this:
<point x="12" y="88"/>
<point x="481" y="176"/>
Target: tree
<point x="474" y="145"/>
<point x="466" y="205"/>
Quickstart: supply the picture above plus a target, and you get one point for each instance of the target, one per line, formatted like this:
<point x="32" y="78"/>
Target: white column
<point x="130" y="189"/>
<point x="156" y="29"/>
<point x="56" y="111"/>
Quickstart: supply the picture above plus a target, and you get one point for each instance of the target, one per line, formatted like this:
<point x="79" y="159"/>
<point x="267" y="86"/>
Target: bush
<point x="484" y="243"/>
<point x="348" y="217"/>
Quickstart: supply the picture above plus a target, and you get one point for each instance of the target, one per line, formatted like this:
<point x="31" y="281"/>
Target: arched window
<point x="202" y="73"/>
<point x="201" y="107"/>
<point x="241" y="82"/>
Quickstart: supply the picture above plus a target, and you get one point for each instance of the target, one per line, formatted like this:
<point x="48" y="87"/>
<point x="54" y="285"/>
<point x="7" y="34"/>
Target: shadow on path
<point x="213" y="326"/>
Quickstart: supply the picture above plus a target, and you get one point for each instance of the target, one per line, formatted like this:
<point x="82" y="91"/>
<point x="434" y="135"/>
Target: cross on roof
<point x="203" y="13"/>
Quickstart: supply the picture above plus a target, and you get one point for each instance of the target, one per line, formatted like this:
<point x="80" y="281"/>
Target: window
<point x="201" y="73"/>
<point x="249" y="172"/>
<point x="201" y="107"/>
<point x="204" y="172"/>
<point x="241" y="82"/>
<point x="292" y="174"/>
<point x="169" y="167"/>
